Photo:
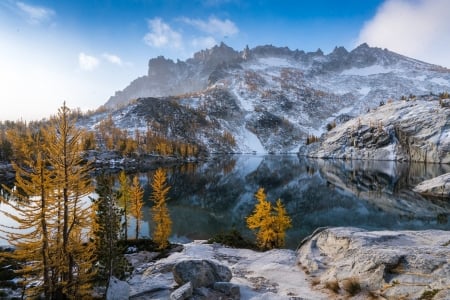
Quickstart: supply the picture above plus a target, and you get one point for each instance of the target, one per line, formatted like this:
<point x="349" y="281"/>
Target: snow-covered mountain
<point x="268" y="99"/>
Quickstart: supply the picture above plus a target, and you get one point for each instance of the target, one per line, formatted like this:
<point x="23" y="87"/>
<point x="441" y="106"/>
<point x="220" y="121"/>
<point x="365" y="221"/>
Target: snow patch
<point x="267" y="62"/>
<point x="440" y="81"/>
<point x="364" y="90"/>
<point x="372" y="70"/>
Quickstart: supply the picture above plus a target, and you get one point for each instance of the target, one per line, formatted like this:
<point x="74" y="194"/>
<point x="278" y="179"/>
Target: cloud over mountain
<point x="418" y="29"/>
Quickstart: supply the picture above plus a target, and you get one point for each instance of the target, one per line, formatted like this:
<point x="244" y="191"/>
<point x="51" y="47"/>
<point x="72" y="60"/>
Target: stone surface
<point x="395" y="265"/>
<point x="117" y="290"/>
<point x="436" y="187"/>
<point x="183" y="292"/>
<point x="416" y="130"/>
<point x="201" y="273"/>
<point x="228" y="289"/>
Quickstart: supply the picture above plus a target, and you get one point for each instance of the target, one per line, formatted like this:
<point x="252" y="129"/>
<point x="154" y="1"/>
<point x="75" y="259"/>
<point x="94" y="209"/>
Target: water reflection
<point x="218" y="195"/>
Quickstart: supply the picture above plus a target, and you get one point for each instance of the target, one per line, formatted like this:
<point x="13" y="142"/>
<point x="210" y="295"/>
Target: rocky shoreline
<point x="333" y="263"/>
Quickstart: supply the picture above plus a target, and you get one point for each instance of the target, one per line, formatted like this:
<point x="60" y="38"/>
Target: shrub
<point x="331" y="125"/>
<point x="232" y="238"/>
<point x="428" y="295"/>
<point x="311" y="139"/>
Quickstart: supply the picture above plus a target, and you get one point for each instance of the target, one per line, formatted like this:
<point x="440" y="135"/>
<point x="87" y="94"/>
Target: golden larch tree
<point x="32" y="205"/>
<point x="282" y="222"/>
<point x="136" y="202"/>
<point x="160" y="212"/>
<point x="74" y="256"/>
<point x="269" y="223"/>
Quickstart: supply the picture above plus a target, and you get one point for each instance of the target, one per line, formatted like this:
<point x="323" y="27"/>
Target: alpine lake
<point x="217" y="195"/>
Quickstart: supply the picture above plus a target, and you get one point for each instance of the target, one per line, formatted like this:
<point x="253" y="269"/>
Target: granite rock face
<point x="416" y="130"/>
<point x="391" y="264"/>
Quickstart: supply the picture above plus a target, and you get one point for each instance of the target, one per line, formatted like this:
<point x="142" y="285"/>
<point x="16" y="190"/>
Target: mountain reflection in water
<point x="217" y="195"/>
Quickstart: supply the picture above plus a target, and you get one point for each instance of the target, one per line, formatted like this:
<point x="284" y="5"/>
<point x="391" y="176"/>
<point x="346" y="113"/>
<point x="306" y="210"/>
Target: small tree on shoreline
<point x="160" y="212"/>
<point x="269" y="223"/>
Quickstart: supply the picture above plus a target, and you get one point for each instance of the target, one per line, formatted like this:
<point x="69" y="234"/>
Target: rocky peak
<point x="216" y="55"/>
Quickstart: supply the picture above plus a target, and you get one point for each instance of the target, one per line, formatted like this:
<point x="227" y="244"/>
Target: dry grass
<point x="333" y="285"/>
<point x="315" y="281"/>
<point x="351" y="286"/>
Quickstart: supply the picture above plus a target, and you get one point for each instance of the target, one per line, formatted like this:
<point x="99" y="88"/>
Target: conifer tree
<point x="281" y="222"/>
<point x="51" y="181"/>
<point x="269" y="223"/>
<point x="136" y="203"/>
<point x="124" y="200"/>
<point x="160" y="212"/>
<point x="33" y="207"/>
<point x="107" y="233"/>
<point x="64" y="148"/>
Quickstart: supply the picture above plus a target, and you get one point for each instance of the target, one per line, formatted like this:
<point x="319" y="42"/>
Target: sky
<point x="82" y="51"/>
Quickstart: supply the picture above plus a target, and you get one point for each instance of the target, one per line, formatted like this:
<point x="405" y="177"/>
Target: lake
<point x="217" y="195"/>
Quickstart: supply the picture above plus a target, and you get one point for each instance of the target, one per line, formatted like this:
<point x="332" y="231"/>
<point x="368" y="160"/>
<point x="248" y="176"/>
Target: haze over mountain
<point x="268" y="98"/>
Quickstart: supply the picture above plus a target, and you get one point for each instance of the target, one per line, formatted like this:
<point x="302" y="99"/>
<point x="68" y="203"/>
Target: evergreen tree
<point x="124" y="200"/>
<point x="160" y="212"/>
<point x="268" y="223"/>
<point x="136" y="203"/>
<point x="108" y="215"/>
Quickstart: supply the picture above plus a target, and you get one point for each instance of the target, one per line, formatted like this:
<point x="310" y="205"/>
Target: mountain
<point x="267" y="99"/>
<point x="407" y="130"/>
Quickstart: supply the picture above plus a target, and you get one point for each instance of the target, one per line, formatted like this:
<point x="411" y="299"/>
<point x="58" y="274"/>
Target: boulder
<point x="183" y="292"/>
<point x="117" y="289"/>
<point x="201" y="273"/>
<point x="435" y="187"/>
<point x="395" y="265"/>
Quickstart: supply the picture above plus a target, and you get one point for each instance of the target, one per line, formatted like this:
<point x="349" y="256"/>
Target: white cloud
<point x="419" y="29"/>
<point x="35" y="14"/>
<point x="112" y="58"/>
<point x="87" y="62"/>
<point x="214" y="26"/>
<point x="161" y="35"/>
<point x="203" y="42"/>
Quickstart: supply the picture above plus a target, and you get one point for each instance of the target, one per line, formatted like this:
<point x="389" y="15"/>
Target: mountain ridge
<point x="268" y="99"/>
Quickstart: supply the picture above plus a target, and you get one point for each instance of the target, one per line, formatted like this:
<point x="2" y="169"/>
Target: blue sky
<point x="82" y="51"/>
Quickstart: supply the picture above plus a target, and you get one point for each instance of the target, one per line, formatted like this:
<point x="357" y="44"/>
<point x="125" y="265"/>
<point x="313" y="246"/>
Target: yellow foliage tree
<point x="268" y="223"/>
<point x="73" y="256"/>
<point x="282" y="222"/>
<point x="160" y="212"/>
<point x="53" y="219"/>
<point x="31" y="202"/>
<point x="136" y="203"/>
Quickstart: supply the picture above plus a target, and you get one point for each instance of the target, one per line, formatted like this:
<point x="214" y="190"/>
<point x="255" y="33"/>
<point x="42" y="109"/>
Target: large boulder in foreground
<point x="435" y="187"/>
<point x="416" y="130"/>
<point x="392" y="264"/>
<point x="200" y="272"/>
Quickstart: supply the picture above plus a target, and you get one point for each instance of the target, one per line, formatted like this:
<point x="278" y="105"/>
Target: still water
<point x="217" y="195"/>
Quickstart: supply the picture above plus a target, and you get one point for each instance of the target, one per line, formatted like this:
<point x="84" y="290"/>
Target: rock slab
<point x="117" y="289"/>
<point x="435" y="187"/>
<point x="394" y="265"/>
<point x="183" y="292"/>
